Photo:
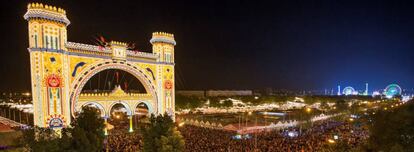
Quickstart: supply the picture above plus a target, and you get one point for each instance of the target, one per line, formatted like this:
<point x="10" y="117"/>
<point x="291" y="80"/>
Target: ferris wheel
<point x="392" y="90"/>
<point x="348" y="91"/>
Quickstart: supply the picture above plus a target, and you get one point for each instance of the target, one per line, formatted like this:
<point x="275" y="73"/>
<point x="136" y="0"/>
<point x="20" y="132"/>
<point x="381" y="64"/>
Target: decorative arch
<point x="103" y="111"/>
<point x="129" y="111"/>
<point x="86" y="74"/>
<point x="59" y="71"/>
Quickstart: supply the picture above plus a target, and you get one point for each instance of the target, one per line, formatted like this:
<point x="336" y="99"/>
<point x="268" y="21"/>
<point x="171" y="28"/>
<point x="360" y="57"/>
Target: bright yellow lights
<point x="351" y="119"/>
<point x="181" y="124"/>
<point x="249" y="113"/>
<point x="53" y="66"/>
<point x="331" y="141"/>
<point x="308" y="109"/>
<point x="130" y="124"/>
<point x="385" y="108"/>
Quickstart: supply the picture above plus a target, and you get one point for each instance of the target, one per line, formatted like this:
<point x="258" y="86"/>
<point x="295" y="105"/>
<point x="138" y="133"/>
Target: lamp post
<point x="309" y="110"/>
<point x="255" y="137"/>
<point x="249" y="114"/>
<point x="10" y="117"/>
<point x="239" y="122"/>
<point x="20" y="116"/>
<point x="14" y="114"/>
<point x="300" y="124"/>
<point x="27" y="118"/>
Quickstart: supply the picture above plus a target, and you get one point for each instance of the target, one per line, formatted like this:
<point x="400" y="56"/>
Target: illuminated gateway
<point x="60" y="69"/>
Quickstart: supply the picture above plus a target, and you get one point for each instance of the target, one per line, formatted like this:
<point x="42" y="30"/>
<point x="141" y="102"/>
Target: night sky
<point x="241" y="44"/>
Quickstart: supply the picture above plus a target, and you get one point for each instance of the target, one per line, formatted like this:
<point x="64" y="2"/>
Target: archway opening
<point x="99" y="109"/>
<point x="141" y="113"/>
<point x="107" y="80"/>
<point x="118" y="117"/>
<point x="142" y="110"/>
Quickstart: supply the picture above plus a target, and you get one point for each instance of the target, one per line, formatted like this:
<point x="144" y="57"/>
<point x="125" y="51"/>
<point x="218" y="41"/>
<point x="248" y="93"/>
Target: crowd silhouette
<point x="313" y="139"/>
<point x="121" y="141"/>
<point x="199" y="139"/>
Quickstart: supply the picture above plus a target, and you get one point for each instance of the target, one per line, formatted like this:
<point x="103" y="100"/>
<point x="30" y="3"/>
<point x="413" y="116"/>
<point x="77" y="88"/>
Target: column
<point x="130" y="124"/>
<point x="106" y="125"/>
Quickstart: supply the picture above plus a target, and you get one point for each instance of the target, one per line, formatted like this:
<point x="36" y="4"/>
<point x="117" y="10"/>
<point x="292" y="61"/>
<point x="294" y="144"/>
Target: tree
<point x="41" y="139"/>
<point x="227" y="103"/>
<point x="86" y="135"/>
<point x="88" y="130"/>
<point x="173" y="143"/>
<point x="341" y="146"/>
<point x="161" y="135"/>
<point x="393" y="130"/>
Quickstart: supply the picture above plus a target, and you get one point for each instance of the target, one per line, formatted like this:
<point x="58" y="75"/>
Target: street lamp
<point x="308" y="110"/>
<point x="265" y="113"/>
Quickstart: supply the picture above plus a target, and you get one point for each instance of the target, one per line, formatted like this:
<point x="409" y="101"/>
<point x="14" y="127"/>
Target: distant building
<point x="191" y="93"/>
<point x="227" y="93"/>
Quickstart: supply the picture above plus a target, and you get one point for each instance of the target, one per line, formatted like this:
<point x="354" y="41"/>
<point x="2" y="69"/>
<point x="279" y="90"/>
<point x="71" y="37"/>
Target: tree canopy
<point x="85" y="135"/>
<point x="393" y="130"/>
<point x="162" y="136"/>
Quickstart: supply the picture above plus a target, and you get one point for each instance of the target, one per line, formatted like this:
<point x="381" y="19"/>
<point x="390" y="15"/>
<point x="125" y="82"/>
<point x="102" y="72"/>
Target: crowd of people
<point x="199" y="139"/>
<point x="121" y="141"/>
<point x="313" y="139"/>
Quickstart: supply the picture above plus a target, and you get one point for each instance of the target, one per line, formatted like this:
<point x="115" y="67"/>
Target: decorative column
<point x="106" y="125"/>
<point x="130" y="124"/>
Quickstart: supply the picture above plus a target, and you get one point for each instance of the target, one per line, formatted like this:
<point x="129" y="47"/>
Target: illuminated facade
<point x="60" y="69"/>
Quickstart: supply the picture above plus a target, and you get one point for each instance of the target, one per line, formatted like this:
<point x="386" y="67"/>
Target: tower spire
<point x="339" y="90"/>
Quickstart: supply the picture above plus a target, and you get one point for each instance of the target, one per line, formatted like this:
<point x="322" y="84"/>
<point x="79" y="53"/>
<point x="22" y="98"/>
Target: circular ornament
<point x="168" y="84"/>
<point x="53" y="81"/>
